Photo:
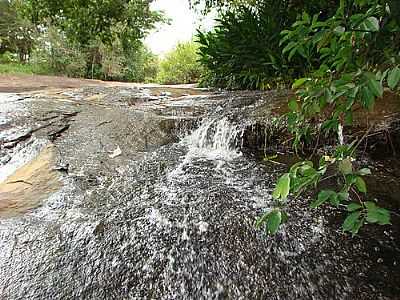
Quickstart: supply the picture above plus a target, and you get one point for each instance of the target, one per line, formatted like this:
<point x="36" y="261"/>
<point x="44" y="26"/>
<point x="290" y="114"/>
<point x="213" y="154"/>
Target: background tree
<point x="180" y="65"/>
<point x="16" y="34"/>
<point x="88" y="22"/>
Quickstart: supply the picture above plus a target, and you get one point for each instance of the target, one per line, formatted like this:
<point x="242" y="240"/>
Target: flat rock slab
<point x="123" y="200"/>
<point x="30" y="184"/>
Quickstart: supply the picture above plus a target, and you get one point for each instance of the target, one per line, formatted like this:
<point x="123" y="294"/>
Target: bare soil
<point x="27" y="83"/>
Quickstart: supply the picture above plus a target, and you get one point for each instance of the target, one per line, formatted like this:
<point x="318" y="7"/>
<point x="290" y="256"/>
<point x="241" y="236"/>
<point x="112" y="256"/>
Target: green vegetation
<point x="350" y="58"/>
<point x="340" y="57"/>
<point x="18" y="68"/>
<point x="93" y="26"/>
<point x="180" y="65"/>
<point x="243" y="52"/>
<point x="93" y="39"/>
<point x="16" y="33"/>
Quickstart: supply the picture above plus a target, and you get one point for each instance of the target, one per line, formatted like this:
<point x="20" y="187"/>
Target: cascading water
<point x="178" y="223"/>
<point x="215" y="138"/>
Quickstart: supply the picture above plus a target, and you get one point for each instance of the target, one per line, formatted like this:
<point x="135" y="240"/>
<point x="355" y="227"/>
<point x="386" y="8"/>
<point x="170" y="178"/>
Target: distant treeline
<point x="92" y="39"/>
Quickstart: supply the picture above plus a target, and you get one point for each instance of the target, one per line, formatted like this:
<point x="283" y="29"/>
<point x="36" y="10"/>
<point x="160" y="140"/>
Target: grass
<point x="29" y="69"/>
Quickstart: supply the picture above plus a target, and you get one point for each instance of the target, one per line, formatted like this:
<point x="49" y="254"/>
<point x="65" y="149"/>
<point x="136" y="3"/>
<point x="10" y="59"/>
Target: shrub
<point x="352" y="72"/>
<point x="20" y="68"/>
<point x="244" y="52"/>
<point x="180" y="65"/>
<point x="7" y="57"/>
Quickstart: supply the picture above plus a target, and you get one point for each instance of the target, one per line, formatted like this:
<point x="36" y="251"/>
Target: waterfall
<point x="215" y="139"/>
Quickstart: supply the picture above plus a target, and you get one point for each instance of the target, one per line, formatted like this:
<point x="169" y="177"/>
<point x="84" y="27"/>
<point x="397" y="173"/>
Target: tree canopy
<point x="16" y="34"/>
<point x="84" y="21"/>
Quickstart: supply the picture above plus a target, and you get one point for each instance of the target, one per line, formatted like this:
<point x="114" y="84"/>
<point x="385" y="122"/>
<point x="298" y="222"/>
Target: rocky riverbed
<point x="117" y="192"/>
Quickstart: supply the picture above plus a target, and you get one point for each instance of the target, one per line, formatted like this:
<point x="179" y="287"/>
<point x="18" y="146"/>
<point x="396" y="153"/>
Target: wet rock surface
<point x="158" y="201"/>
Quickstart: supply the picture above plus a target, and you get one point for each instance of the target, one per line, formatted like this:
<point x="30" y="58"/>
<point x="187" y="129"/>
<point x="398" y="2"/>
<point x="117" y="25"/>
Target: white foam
<point x="214" y="139"/>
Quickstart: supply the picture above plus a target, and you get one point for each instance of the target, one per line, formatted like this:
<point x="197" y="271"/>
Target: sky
<point x="182" y="26"/>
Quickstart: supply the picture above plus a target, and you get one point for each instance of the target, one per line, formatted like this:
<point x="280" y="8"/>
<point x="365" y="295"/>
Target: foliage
<point x="7" y="57"/>
<point x="90" y="25"/>
<point x="180" y="65"/>
<point x="26" y="68"/>
<point x="345" y="72"/>
<point x="53" y="49"/>
<point x="140" y="66"/>
<point x="304" y="175"/>
<point x="16" y="34"/>
<point x="55" y="54"/>
<point x="84" y="21"/>
<point x="244" y="51"/>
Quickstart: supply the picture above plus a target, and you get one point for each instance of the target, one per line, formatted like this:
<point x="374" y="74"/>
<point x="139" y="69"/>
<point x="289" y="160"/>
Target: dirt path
<point x="26" y="83"/>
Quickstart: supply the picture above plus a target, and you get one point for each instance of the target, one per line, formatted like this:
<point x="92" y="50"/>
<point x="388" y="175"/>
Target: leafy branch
<point x="341" y="77"/>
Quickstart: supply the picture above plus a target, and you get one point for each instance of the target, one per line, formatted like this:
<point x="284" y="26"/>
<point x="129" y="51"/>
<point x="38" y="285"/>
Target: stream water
<point x="177" y="222"/>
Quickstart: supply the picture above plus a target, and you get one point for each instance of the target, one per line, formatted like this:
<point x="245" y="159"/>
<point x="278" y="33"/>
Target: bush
<point x="7" y="57"/>
<point x="351" y="58"/>
<point x="19" y="68"/>
<point x="244" y="52"/>
<point x="180" y="65"/>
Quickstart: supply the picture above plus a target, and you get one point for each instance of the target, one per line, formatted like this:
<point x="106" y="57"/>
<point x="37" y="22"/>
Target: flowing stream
<point x="177" y="222"/>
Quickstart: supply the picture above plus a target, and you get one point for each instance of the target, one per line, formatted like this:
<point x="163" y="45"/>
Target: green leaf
<point x="292" y="53"/>
<point x="260" y="221"/>
<point x="345" y="166"/>
<point x="308" y="171"/>
<point x="335" y="200"/>
<point x="378" y="215"/>
<point x="368" y="99"/>
<point x="293" y="105"/>
<point x="384" y="216"/>
<point x="306" y="17"/>
<point x="282" y="188"/>
<point x="273" y="222"/>
<point x="360" y="184"/>
<point x="372" y="24"/>
<point x="393" y="78"/>
<point x="339" y="30"/>
<point x="349" y="118"/>
<point x="331" y="124"/>
<point x="299" y="82"/>
<point x="352" y="223"/>
<point x="375" y="87"/>
<point x="285" y="217"/>
<point x="323" y="196"/>
<point x="370" y="205"/>
<point x="343" y="196"/>
<point x="288" y="47"/>
<point x="353" y="207"/>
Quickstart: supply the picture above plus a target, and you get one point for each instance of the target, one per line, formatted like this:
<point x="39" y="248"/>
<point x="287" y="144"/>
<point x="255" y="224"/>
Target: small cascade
<point x="340" y="134"/>
<point x="216" y="138"/>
